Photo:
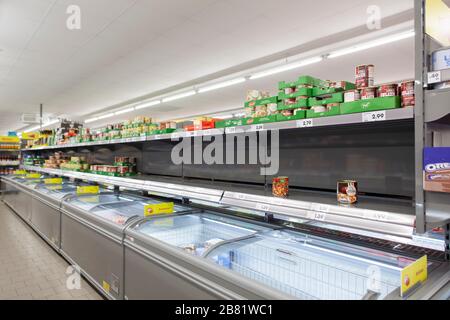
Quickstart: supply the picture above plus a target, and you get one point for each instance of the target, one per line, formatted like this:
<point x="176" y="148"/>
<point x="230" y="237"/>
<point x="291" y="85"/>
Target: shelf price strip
<point x="374" y="116"/>
<point x="306" y="123"/>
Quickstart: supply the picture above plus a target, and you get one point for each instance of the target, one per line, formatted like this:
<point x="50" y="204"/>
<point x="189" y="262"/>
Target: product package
<point x="436" y="169"/>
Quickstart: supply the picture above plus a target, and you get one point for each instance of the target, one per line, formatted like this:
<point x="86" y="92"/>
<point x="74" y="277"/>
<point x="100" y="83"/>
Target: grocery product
<point x="364" y="76"/>
<point x="347" y="191"/>
<point x="352" y="95"/>
<point x="388" y="90"/>
<point x="272" y="108"/>
<point x="407" y="93"/>
<point x="436" y="169"/>
<point x="319" y="108"/>
<point x="280" y="187"/>
<point x="368" y="93"/>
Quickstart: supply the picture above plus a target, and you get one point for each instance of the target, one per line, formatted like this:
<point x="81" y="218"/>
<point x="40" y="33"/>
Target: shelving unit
<point x="9" y="153"/>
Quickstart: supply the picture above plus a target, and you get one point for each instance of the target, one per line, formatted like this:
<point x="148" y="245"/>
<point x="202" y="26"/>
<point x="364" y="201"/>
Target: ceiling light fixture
<point x="147" y="104"/>
<point x="179" y="96"/>
<point x="286" y="67"/>
<point x="124" y="111"/>
<point x="90" y="120"/>
<point x="109" y="115"/>
<point x="221" y="85"/>
<point x="372" y="44"/>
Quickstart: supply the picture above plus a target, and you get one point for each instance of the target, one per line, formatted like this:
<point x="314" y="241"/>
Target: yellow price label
<point x="414" y="274"/>
<point x="33" y="176"/>
<point x="53" y="181"/>
<point x="159" y="208"/>
<point x="20" y="172"/>
<point x="88" y="190"/>
<point x="106" y="286"/>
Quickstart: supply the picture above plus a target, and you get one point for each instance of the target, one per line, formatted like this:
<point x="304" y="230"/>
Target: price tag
<point x="53" y="181"/>
<point x="20" y="172"/>
<point x="413" y="275"/>
<point x="374" y="116"/>
<point x="305" y="123"/>
<point x="33" y="176"/>
<point x="88" y="190"/>
<point x="318" y="216"/>
<point x="240" y="196"/>
<point x="206" y="132"/>
<point x="257" y="127"/>
<point x="230" y="130"/>
<point x="262" y="207"/>
<point x="434" y="77"/>
<point x="158" y="208"/>
<point x="157" y="137"/>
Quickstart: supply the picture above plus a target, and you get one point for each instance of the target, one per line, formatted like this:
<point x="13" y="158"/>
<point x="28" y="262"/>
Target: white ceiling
<point x="129" y="48"/>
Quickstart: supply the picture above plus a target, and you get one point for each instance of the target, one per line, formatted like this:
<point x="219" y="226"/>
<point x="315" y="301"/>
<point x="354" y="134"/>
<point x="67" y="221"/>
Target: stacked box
<point x="337" y="97"/>
<point x="333" y="111"/>
<point x="368" y="105"/>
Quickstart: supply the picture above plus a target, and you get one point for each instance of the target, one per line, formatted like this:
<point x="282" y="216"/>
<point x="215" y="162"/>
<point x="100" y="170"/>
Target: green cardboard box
<point x="318" y="91"/>
<point x="334" y="111"/>
<point x="226" y="123"/>
<point x="300" y="115"/>
<point x="371" y="105"/>
<point x="260" y="120"/>
<point x="300" y="92"/>
<point x="302" y="103"/>
<point x="337" y="97"/>
<point x="261" y="102"/>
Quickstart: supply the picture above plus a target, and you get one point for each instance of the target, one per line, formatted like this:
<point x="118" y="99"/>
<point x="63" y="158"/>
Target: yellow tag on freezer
<point x="53" y="181"/>
<point x="88" y="190"/>
<point x="412" y="275"/>
<point x="33" y="176"/>
<point x="159" y="208"/>
<point x="20" y="172"/>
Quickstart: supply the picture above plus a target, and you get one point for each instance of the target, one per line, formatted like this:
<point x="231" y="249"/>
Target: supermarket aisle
<point x="29" y="268"/>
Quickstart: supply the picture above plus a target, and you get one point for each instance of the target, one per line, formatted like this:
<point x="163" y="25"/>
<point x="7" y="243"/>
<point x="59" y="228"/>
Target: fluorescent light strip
<point x="147" y="104"/>
<point x="109" y="115"/>
<point x="90" y="120"/>
<point x="221" y="85"/>
<point x="372" y="44"/>
<point x="286" y="67"/>
<point x="124" y="111"/>
<point x="179" y="96"/>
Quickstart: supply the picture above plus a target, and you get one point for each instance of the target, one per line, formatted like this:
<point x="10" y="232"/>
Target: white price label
<point x="319" y="216"/>
<point x="206" y="132"/>
<point x="374" y="116"/>
<point x="257" y="127"/>
<point x="191" y="133"/>
<point x="434" y="77"/>
<point x="262" y="207"/>
<point x="230" y="130"/>
<point x="305" y="123"/>
<point x="240" y="196"/>
<point x="381" y="216"/>
<point x="157" y="137"/>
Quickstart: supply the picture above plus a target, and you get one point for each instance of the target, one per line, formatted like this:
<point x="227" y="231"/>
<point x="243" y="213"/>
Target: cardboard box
<point x="302" y="103"/>
<point x="370" y="105"/>
<point x="334" y="111"/>
<point x="300" y="92"/>
<point x="261" y="102"/>
<point x="300" y="115"/>
<point x="436" y="169"/>
<point x="337" y="97"/>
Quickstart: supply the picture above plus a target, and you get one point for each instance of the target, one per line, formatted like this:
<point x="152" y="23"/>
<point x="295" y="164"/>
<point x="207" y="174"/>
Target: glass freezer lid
<point x="89" y="201"/>
<point x="58" y="191"/>
<point x="308" y="267"/>
<point x="197" y="232"/>
<point x="121" y="212"/>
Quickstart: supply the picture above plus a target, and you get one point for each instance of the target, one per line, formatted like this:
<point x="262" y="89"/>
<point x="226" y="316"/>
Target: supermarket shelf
<point x="438" y="105"/>
<point x="356" y="118"/>
<point x="395" y="217"/>
<point x="165" y="188"/>
<point x="175" y="135"/>
<point x="9" y="150"/>
<point x="347" y="119"/>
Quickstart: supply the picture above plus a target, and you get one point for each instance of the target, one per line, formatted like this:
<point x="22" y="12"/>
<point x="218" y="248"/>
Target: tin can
<point x="280" y="187"/>
<point x="318" y="109"/>
<point x="407" y="94"/>
<point x="290" y="101"/>
<point x="272" y="108"/>
<point x="368" y="93"/>
<point x="364" y="76"/>
<point x="352" y="95"/>
<point x="347" y="191"/>
<point x="249" y="111"/>
<point x="287" y="113"/>
<point x="123" y="169"/>
<point x="388" y="90"/>
<point x="261" y="111"/>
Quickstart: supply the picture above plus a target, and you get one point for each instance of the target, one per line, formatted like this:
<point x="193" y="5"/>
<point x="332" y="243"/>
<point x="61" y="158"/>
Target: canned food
<point x="331" y="105"/>
<point x="347" y="191"/>
<point x="352" y="95"/>
<point x="368" y="93"/>
<point x="272" y="108"/>
<point x="287" y="113"/>
<point x="388" y="90"/>
<point x="301" y="98"/>
<point x="123" y="169"/>
<point x="280" y="187"/>
<point x="364" y="76"/>
<point x="318" y="109"/>
<point x="307" y="86"/>
<point x="407" y="94"/>
<point x="249" y="111"/>
<point x="261" y="111"/>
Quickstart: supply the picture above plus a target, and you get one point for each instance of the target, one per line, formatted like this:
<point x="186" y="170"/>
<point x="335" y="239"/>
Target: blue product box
<point x="436" y="169"/>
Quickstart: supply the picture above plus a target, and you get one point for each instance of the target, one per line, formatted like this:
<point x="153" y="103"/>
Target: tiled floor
<point x="29" y="268"/>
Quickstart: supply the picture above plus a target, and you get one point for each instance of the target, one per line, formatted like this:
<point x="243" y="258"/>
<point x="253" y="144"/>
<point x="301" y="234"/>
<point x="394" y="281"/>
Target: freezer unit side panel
<point x="99" y="256"/>
<point x="47" y="220"/>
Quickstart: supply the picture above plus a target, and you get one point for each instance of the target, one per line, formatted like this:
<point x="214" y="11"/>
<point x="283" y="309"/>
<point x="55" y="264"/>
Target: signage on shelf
<point x="20" y="172"/>
<point x="8" y="139"/>
<point x="158" y="208"/>
<point x="374" y="116"/>
<point x="53" y="181"/>
<point x="30" y="135"/>
<point x="434" y="77"/>
<point x="413" y="275"/>
<point x="33" y="176"/>
<point x="88" y="190"/>
<point x="305" y="123"/>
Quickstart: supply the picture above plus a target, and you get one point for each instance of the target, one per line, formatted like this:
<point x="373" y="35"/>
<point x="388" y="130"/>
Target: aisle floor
<point x="29" y="268"/>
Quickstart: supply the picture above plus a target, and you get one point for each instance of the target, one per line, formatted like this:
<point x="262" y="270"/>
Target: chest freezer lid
<point x="88" y="201"/>
<point x="120" y="212"/>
